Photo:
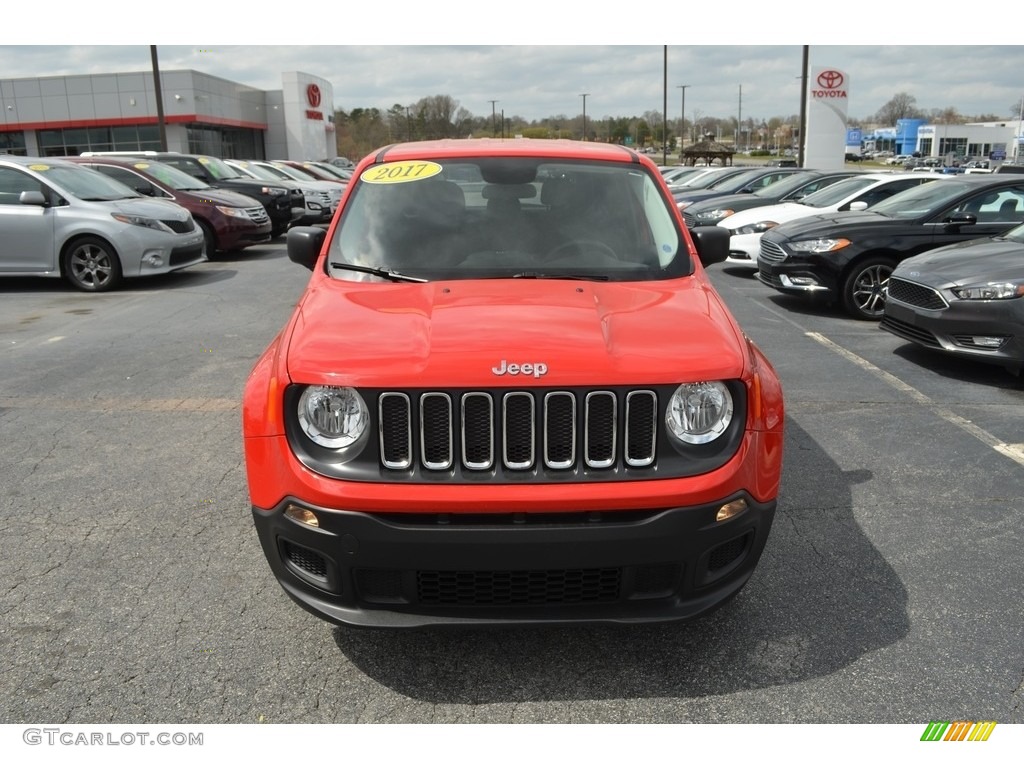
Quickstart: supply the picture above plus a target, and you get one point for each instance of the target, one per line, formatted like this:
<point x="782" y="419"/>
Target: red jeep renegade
<point x="509" y="394"/>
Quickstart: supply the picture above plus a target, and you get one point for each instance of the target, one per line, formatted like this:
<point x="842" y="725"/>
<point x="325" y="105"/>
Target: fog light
<point x="302" y="515"/>
<point x="153" y="260"/>
<point x="730" y="510"/>
<point x="989" y="342"/>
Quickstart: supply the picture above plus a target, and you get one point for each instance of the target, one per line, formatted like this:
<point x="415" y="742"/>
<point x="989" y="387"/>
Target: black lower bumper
<point x="415" y="570"/>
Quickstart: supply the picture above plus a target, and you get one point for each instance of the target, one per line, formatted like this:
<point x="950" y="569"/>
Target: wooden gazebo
<point x="707" y="151"/>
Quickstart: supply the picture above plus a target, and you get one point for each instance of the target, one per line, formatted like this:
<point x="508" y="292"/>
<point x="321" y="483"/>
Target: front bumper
<point x="423" y="569"/>
<point x="959" y="328"/>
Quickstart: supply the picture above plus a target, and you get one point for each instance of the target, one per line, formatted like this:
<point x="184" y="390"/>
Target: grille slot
<point x="908" y="331"/>
<point x="305" y="559"/>
<point x="772" y="252"/>
<point x="914" y="294"/>
<point x="583" y="585"/>
<point x="523" y="431"/>
<point x="181" y="227"/>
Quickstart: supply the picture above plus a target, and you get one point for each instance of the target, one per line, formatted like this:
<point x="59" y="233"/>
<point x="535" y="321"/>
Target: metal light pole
<point x="159" y="99"/>
<point x="682" y="119"/>
<point x="494" y="117"/>
<point x="584" y="95"/>
<point x="664" y="107"/>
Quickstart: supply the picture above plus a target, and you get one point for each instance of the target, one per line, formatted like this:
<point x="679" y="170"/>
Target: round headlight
<point x="334" y="417"/>
<point x="698" y="413"/>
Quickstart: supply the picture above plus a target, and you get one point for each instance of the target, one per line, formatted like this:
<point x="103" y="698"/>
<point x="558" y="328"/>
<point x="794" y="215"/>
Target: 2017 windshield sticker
<point x="400" y="172"/>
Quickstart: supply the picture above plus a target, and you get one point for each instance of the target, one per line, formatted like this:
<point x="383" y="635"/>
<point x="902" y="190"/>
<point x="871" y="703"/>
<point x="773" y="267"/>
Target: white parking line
<point x="1015" y="452"/>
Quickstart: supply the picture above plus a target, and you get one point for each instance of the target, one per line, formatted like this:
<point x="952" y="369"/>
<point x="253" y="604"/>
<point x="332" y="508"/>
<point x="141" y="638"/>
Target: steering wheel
<point x="581" y="246"/>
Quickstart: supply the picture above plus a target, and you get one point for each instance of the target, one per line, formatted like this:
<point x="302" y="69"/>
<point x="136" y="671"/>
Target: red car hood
<point x="481" y="333"/>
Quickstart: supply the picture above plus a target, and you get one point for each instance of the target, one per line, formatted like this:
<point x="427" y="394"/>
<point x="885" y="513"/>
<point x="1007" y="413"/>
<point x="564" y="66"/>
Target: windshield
<point x="218" y="169"/>
<point x="738" y="181"/>
<point x="922" y="199"/>
<point x="834" y="194"/>
<point x="337" y="173"/>
<point x="261" y="172"/>
<point x="705" y="182"/>
<point x="508" y="217"/>
<point x="170" y="176"/>
<point x="85" y="183"/>
<point x="785" y="186"/>
<point x="291" y="172"/>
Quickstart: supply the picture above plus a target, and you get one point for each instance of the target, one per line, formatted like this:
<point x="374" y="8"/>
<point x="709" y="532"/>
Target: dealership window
<point x="75" y="141"/>
<point x="13" y="143"/>
<point x="238" y="143"/>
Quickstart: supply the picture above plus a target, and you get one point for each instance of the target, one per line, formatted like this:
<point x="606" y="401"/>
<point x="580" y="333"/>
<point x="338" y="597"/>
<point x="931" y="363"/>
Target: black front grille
<point x="185" y="255"/>
<point x="258" y="215"/>
<point x="914" y="294"/>
<point x="304" y="559"/>
<point x="689" y="220"/>
<point x="518" y="430"/>
<point x="181" y="227"/>
<point x="908" y="331"/>
<point x="772" y="252"/>
<point x="541" y="587"/>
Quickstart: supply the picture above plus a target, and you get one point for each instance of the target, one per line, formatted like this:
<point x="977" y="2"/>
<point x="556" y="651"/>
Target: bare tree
<point x="899" y="107"/>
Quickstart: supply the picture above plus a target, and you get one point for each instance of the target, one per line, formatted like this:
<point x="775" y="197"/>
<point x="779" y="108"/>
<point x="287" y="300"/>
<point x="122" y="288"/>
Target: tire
<point x="91" y="264"/>
<point x="863" y="294"/>
<point x="209" y="237"/>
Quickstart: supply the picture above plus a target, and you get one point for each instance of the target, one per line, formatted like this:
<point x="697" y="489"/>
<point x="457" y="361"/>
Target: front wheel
<point x="864" y="288"/>
<point x="91" y="264"/>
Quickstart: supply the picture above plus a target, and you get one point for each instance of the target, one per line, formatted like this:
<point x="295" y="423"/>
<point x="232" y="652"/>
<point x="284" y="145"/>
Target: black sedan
<point x="965" y="299"/>
<point x="849" y="256"/>
<point x="746" y="181"/>
<point x="792" y="189"/>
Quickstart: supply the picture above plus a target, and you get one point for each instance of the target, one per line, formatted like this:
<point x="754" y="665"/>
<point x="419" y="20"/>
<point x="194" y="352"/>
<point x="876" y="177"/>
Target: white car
<point x="853" y="194"/>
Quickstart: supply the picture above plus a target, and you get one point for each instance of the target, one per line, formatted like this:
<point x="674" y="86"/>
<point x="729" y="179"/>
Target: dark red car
<point x="230" y="221"/>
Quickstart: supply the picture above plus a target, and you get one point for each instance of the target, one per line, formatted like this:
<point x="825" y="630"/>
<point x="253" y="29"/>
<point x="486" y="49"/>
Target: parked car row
<point x="54" y="211"/>
<point x="936" y="259"/>
<point x="60" y="219"/>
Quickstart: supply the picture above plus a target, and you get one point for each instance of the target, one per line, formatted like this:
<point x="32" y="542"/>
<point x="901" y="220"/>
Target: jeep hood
<point x="454" y="333"/>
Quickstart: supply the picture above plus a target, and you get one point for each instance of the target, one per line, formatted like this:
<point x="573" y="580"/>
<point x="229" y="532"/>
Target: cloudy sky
<point x="536" y="70"/>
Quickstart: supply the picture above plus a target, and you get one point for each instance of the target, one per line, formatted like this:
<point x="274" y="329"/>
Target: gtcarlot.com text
<point x="72" y="738"/>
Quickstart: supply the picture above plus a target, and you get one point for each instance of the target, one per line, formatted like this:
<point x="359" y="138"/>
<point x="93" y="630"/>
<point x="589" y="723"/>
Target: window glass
<point x="503" y="217"/>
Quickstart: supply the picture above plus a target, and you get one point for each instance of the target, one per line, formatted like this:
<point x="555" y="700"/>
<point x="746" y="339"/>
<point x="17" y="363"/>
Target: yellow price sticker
<point x="142" y="166"/>
<point x="400" y="172"/>
<point x="39" y="167"/>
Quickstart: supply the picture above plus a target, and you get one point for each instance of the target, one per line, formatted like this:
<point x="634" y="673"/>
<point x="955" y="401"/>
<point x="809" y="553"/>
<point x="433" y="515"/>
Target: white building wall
<point x="308" y="103"/>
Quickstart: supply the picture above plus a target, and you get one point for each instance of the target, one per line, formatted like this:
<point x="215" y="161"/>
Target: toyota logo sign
<point x="829" y="79"/>
<point x="313" y="94"/>
<point x="831" y="85"/>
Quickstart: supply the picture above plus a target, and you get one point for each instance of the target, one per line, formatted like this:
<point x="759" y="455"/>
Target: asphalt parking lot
<point x="135" y="590"/>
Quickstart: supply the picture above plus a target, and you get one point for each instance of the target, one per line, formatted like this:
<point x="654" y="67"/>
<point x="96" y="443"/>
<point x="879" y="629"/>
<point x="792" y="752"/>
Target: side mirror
<point x="858" y="205"/>
<point x="304" y="245"/>
<point x="962" y="218"/>
<point x="35" y="197"/>
<point x="712" y="244"/>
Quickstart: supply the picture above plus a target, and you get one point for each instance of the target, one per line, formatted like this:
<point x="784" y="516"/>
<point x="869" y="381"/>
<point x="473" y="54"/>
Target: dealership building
<point x="202" y="114"/>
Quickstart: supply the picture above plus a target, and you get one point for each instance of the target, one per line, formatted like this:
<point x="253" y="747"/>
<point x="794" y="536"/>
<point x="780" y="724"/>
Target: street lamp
<point x="584" y="95"/>
<point x="682" y="116"/>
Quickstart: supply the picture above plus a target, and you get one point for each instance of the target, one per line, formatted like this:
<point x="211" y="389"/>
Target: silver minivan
<point x="59" y="219"/>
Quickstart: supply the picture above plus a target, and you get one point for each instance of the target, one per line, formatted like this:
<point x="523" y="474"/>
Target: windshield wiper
<point x="546" y="276"/>
<point x="387" y="274"/>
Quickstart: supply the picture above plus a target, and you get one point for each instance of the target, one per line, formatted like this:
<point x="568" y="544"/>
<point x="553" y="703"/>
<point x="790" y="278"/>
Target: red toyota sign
<point x="313" y="94"/>
<point x="830" y="78"/>
<point x="831" y="85"/>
